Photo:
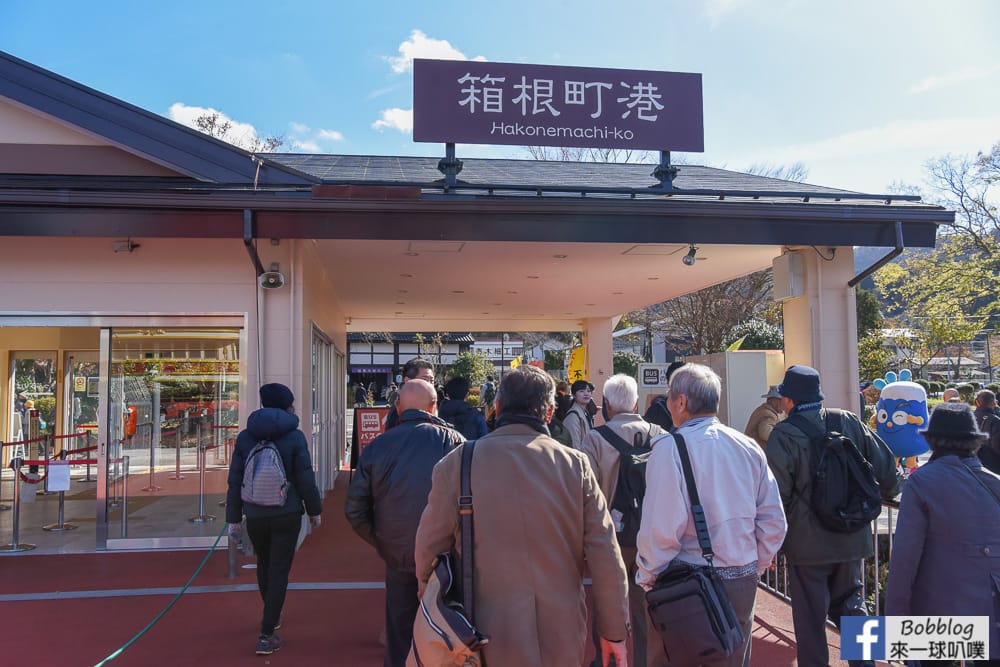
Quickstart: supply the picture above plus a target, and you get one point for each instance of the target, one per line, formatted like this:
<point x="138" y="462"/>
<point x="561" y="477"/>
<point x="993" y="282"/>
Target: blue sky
<point x="862" y="92"/>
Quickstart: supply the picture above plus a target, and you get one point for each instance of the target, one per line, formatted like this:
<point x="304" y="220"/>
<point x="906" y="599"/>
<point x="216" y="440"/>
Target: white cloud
<point x="305" y="146"/>
<point x="869" y="159"/>
<point x="330" y="135"/>
<point x="943" y="135"/>
<point x="420" y="45"/>
<point x="395" y="119"/>
<point x="935" y="82"/>
<point x="306" y="139"/>
<point x="717" y="10"/>
<point x="240" y="134"/>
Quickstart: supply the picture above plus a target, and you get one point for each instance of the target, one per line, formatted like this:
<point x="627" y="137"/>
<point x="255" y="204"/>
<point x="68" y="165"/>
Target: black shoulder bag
<point x="688" y="604"/>
<point x="444" y="632"/>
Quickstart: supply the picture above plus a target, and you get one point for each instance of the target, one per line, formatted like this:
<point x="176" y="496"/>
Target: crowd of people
<point x="550" y="514"/>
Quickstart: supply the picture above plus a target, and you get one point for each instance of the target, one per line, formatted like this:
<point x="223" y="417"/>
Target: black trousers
<point x="273" y="540"/>
<point x="828" y="590"/>
<point x="401" y="604"/>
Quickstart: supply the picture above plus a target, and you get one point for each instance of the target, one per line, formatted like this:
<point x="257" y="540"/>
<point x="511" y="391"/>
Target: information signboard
<point x="543" y="105"/>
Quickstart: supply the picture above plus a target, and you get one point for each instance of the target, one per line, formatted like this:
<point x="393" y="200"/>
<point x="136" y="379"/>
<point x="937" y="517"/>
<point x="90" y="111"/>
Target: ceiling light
<point x="689" y="258"/>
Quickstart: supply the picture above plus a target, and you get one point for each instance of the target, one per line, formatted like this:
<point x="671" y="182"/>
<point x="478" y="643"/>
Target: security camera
<point x="271" y="280"/>
<point x="689" y="258"/>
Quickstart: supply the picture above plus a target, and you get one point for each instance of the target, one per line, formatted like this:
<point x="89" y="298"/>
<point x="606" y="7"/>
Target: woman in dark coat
<point x="945" y="553"/>
<point x="273" y="530"/>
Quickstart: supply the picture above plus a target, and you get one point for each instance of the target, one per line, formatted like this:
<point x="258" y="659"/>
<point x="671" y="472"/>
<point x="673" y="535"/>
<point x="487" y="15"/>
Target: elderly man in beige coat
<point x="764" y="418"/>
<point x="538" y="515"/>
<point x="621" y="397"/>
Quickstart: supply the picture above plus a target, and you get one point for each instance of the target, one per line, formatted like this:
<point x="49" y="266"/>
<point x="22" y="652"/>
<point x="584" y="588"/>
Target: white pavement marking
<point x="233" y="588"/>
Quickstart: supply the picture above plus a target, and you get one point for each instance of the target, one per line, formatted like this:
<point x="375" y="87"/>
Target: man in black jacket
<point x="387" y="496"/>
<point x="414" y="369"/>
<point x="466" y="419"/>
<point x="274" y="531"/>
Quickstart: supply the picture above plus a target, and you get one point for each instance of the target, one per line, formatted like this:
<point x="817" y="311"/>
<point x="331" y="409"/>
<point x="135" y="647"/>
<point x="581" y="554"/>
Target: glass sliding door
<point x="34" y="378"/>
<point x="172" y="416"/>
<point x="321" y="436"/>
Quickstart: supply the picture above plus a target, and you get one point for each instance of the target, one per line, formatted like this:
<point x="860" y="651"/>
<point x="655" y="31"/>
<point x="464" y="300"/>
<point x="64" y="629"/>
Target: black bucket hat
<point x="953" y="420"/>
<point x="801" y="384"/>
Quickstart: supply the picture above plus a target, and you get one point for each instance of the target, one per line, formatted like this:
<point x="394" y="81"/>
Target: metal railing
<point x="775" y="579"/>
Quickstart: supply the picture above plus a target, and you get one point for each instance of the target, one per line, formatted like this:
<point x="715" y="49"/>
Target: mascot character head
<point x="900" y="412"/>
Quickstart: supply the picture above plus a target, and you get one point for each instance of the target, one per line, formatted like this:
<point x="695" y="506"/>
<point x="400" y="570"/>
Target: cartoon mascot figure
<point x="900" y="413"/>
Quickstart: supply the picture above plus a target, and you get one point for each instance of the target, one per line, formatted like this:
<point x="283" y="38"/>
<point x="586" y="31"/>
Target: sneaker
<point x="278" y="625"/>
<point x="268" y="644"/>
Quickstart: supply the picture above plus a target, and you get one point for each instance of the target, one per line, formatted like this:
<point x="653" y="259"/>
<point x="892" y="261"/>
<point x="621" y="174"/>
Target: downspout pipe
<point x="895" y="252"/>
<point x="249" y="234"/>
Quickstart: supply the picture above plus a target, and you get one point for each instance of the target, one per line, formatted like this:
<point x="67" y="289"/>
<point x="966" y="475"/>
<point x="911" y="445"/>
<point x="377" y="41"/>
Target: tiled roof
<point x="486" y="172"/>
<point x="409" y="337"/>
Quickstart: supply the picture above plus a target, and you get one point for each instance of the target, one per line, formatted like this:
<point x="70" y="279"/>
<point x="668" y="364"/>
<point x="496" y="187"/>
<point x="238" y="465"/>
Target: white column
<point x="821" y="324"/>
<point x="600" y="358"/>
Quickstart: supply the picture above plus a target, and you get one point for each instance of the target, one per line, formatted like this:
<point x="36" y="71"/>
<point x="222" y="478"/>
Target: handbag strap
<point x="981" y="482"/>
<point x="465" y="513"/>
<point x="697" y="511"/>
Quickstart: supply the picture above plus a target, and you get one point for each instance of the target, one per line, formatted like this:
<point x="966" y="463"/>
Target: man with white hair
<point x="621" y="397"/>
<point x="746" y="522"/>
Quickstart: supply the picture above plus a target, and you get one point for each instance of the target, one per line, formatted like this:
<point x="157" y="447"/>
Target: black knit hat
<point x="953" y="420"/>
<point x="801" y="384"/>
<point x="276" y="395"/>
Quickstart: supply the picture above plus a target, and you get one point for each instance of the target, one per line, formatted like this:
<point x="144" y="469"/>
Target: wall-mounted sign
<point x="654" y="375"/>
<point x="543" y="105"/>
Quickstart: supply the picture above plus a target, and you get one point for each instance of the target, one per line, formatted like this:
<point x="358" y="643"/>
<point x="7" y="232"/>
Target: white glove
<point x="617" y="650"/>
<point x="315" y="521"/>
<point x="235" y="530"/>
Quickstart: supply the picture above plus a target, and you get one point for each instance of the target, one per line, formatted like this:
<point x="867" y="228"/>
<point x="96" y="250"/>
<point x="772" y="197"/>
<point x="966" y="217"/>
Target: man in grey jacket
<point x="824" y="567"/>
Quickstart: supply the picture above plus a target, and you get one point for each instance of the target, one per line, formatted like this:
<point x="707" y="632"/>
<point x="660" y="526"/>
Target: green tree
<point x="555" y="360"/>
<point x="869" y="315"/>
<point x="873" y="357"/>
<point x="970" y="186"/>
<point x="757" y="334"/>
<point x="627" y="363"/>
<point x="941" y="296"/>
<point x="473" y="366"/>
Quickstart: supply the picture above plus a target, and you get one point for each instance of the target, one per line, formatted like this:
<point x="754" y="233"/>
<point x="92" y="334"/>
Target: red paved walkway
<point x="321" y="626"/>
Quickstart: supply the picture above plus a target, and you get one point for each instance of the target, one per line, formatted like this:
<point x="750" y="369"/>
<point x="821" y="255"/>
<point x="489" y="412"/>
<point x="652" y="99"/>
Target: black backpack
<point x="845" y="494"/>
<point x="631" y="487"/>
